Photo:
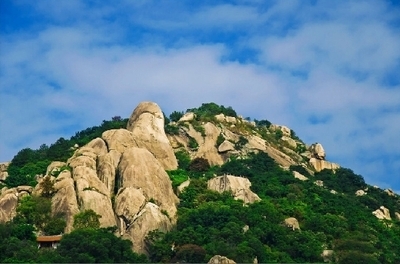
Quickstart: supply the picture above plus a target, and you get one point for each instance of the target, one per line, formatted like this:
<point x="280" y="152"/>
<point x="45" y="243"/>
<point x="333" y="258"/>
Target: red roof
<point x="56" y="238"/>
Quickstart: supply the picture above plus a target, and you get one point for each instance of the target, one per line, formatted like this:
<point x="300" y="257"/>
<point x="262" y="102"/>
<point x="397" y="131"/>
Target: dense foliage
<point x="207" y="111"/>
<point x="211" y="223"/>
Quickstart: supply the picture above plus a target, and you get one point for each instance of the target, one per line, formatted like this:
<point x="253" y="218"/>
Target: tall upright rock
<point x="147" y="126"/>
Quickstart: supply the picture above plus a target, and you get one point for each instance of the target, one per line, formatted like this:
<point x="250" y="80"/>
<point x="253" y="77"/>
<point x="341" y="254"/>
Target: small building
<point x="48" y="241"/>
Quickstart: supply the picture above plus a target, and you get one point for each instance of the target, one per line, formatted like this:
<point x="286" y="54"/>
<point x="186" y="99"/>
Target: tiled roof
<point x="56" y="238"/>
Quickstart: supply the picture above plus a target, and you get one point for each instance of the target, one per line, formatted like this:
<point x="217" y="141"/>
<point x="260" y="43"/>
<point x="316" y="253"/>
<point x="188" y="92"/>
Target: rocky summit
<point x="205" y="185"/>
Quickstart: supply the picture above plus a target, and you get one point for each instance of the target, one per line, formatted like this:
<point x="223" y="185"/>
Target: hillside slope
<point x="248" y="190"/>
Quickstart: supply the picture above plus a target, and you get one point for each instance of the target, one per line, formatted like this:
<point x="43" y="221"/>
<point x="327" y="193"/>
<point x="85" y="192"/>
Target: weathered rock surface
<point x="299" y="176"/>
<point x="64" y="201"/>
<point x="285" y="130"/>
<point x="3" y="170"/>
<point x="119" y="139"/>
<point x="226" y="146"/>
<point x="8" y="205"/>
<point x="187" y="117"/>
<point x="217" y="259"/>
<point x="182" y="186"/>
<point x="397" y="215"/>
<point x="389" y="192"/>
<point x="54" y="166"/>
<point x="147" y="126"/>
<point x="207" y="147"/>
<point x="140" y="169"/>
<point x="320" y="164"/>
<point x="107" y="169"/>
<point x="317" y="151"/>
<point x="129" y="202"/>
<point x="360" y="193"/>
<point x="148" y="219"/>
<point x="292" y="223"/>
<point x="9" y="200"/>
<point x="319" y="183"/>
<point x="290" y="141"/>
<point x="382" y="213"/>
<point x="327" y="255"/>
<point x="91" y="192"/>
<point x="238" y="186"/>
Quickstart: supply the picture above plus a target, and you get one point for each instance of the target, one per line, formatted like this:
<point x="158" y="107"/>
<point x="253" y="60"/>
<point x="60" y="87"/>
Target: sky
<point x="329" y="70"/>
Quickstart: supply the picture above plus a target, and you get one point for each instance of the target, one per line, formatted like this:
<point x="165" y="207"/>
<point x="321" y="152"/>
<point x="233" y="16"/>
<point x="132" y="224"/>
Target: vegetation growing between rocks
<point x="209" y="222"/>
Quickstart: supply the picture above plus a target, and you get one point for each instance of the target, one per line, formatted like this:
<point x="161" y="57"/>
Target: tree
<point x="87" y="219"/>
<point x="96" y="245"/>
<point x="175" y="116"/>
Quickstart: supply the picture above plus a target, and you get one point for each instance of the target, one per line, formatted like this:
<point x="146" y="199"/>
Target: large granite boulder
<point x="382" y="213"/>
<point x="8" y="204"/>
<point x="238" y="186"/>
<point x="3" y="170"/>
<point x="217" y="259"/>
<point x="317" y="151"/>
<point x="292" y="223"/>
<point x="147" y="126"/>
<point x="150" y="218"/>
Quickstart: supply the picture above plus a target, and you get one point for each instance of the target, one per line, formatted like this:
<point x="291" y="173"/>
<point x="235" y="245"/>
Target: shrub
<point x="175" y="116"/>
<point x="220" y="140"/>
<point x="193" y="143"/>
<point x="183" y="159"/>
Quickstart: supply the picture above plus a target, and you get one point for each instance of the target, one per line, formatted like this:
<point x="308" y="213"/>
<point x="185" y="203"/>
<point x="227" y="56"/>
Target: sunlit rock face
<point x="147" y="126"/>
<point x="238" y="186"/>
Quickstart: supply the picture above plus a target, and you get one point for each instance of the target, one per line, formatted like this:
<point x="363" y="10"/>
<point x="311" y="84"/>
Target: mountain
<point x="198" y="184"/>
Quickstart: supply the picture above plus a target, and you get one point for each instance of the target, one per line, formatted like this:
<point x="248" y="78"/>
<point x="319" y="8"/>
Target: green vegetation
<point x="211" y="223"/>
<point x="175" y="116"/>
<point x="220" y="140"/>
<point x="208" y="111"/>
<point x="192" y="143"/>
<point x="87" y="219"/>
<point x="177" y="177"/>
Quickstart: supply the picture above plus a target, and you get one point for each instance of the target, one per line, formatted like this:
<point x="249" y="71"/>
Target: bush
<point x="193" y="143"/>
<point x="220" y="140"/>
<point x="183" y="159"/>
<point x="175" y="116"/>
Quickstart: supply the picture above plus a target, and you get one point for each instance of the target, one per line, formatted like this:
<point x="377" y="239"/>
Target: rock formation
<point x="319" y="183"/>
<point x="299" y="176"/>
<point x="3" y="170"/>
<point x="292" y="223"/>
<point x="187" y="117"/>
<point x="382" y="213"/>
<point x="317" y="158"/>
<point x="9" y="200"/>
<point x="217" y="259"/>
<point x="319" y="164"/>
<point x="389" y="192"/>
<point x="238" y="186"/>
<point x="147" y="126"/>
<point x="397" y="215"/>
<point x="360" y="193"/>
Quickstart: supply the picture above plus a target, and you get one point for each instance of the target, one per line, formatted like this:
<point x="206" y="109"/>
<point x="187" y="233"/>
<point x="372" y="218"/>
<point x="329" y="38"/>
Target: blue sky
<point x="329" y="70"/>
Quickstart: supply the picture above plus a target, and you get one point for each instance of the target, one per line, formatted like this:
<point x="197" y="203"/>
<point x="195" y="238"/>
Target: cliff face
<point x="121" y="176"/>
